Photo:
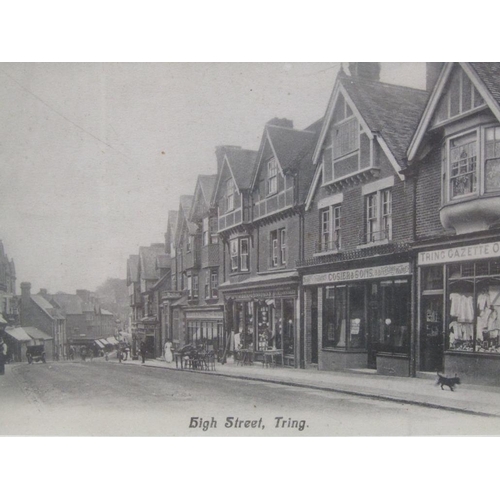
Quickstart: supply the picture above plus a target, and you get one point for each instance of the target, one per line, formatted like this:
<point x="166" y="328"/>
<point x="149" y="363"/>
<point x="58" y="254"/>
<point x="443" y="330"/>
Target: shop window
<point x="378" y="210"/>
<point x="288" y="327"/>
<point x="335" y="317"/>
<point x="356" y="313"/>
<point x="266" y="336"/>
<point x="432" y="278"/>
<point x="330" y="229"/>
<point x="474" y="307"/>
<point x="394" y="316"/>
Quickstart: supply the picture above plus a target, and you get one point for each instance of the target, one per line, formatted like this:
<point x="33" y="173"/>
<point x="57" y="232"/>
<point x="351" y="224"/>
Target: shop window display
<point x="334" y="317"/>
<point x="474" y="307"/>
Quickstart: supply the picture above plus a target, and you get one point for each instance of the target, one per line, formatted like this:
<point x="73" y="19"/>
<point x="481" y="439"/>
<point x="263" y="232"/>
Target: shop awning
<point x="111" y="340"/>
<point x="99" y="344"/>
<point x="18" y="334"/>
<point x="36" y="334"/>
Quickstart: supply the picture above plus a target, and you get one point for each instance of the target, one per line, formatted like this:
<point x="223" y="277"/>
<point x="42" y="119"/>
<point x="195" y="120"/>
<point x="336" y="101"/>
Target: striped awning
<point x="99" y="344"/>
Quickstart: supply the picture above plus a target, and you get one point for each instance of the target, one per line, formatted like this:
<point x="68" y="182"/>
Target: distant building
<point x="8" y="301"/>
<point x="36" y="311"/>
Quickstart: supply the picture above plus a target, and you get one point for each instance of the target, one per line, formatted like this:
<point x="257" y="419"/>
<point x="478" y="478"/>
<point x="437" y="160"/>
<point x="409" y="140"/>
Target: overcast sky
<point x="92" y="156"/>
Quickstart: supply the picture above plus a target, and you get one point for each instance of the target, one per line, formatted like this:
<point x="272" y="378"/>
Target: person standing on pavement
<point x="168" y="352"/>
<point x="143" y="352"/>
<point x="3" y="356"/>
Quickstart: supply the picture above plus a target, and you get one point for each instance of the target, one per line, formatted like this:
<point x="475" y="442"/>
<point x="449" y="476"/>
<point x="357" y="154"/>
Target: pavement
<point x="466" y="398"/>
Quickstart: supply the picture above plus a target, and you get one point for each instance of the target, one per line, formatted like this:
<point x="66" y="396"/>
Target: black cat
<point x="449" y="381"/>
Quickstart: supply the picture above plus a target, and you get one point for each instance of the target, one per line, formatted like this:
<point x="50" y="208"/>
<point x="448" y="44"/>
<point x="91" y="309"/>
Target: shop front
<point x="361" y="318"/>
<point x="459" y="309"/>
<point x="263" y="320"/>
<point x="205" y="329"/>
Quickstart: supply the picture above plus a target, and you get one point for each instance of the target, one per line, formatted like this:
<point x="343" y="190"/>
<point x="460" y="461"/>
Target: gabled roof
<point x="133" y="268"/>
<point x="489" y="73"/>
<point x="390" y="112"/>
<point x="185" y="204"/>
<point x="71" y="304"/>
<point x="293" y="150"/>
<point x="163" y="261"/>
<point x="205" y="186"/>
<point x="242" y="163"/>
<point x="45" y="305"/>
<point x="485" y="76"/>
<point x="147" y="260"/>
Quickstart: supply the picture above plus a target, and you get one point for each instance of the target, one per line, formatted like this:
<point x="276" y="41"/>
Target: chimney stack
<point x="281" y="122"/>
<point x="366" y="70"/>
<point x="25" y="289"/>
<point x="43" y="292"/>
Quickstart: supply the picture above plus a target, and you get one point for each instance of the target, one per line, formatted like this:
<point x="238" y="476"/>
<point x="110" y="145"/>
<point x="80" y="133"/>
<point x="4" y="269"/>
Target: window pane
<point x="334" y="317"/>
<point x="463" y="164"/>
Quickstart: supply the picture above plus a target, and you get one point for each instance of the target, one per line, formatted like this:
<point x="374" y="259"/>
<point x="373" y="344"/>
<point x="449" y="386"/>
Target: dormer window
<point x="272" y="176"/>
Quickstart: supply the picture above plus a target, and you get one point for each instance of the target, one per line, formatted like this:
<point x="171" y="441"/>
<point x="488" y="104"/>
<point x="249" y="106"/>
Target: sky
<point x="93" y="155"/>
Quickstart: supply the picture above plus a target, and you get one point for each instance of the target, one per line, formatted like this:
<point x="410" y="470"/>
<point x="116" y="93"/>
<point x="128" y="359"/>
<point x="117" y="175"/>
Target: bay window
<point x="234" y="255"/>
<point x="244" y="255"/>
<point x="283" y="246"/>
<point x="471" y="163"/>
<point x="195" y="286"/>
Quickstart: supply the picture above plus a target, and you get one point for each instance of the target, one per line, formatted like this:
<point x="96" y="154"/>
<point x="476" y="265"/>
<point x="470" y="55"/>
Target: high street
<point x="110" y="399"/>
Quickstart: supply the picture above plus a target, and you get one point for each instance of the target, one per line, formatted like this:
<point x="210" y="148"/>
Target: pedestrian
<point x="3" y="356"/>
<point x="71" y="353"/>
<point x="119" y="354"/>
<point x="143" y="352"/>
<point x="168" y="352"/>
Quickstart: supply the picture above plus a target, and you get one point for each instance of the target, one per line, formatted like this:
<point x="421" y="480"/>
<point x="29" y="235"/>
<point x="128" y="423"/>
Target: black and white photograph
<point x="250" y="249"/>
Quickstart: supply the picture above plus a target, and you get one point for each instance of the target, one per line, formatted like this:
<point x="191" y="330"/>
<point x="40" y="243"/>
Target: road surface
<point x="102" y="398"/>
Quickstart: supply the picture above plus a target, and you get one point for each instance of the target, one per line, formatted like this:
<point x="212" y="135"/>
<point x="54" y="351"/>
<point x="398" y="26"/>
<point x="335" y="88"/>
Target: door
<point x="314" y="326"/>
<point x="373" y="325"/>
<point x="431" y="339"/>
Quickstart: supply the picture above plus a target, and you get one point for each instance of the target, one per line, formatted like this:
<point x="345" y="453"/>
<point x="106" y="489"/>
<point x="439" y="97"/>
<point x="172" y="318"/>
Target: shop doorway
<point x="314" y="326"/>
<point x="431" y="340"/>
<point x="373" y="331"/>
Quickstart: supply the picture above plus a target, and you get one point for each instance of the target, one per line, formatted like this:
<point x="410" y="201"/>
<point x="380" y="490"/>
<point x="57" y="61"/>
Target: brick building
<point x="261" y="283"/>
<point x="455" y="157"/>
<point x="357" y="267"/>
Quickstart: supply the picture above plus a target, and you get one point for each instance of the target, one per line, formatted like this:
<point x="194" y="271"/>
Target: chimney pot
<point x="366" y="70"/>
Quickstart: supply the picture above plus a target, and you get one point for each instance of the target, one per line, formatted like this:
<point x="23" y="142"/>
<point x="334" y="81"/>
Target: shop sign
<point x="472" y="252"/>
<point x="365" y="273"/>
<point x="204" y="315"/>
<point x="262" y="294"/>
